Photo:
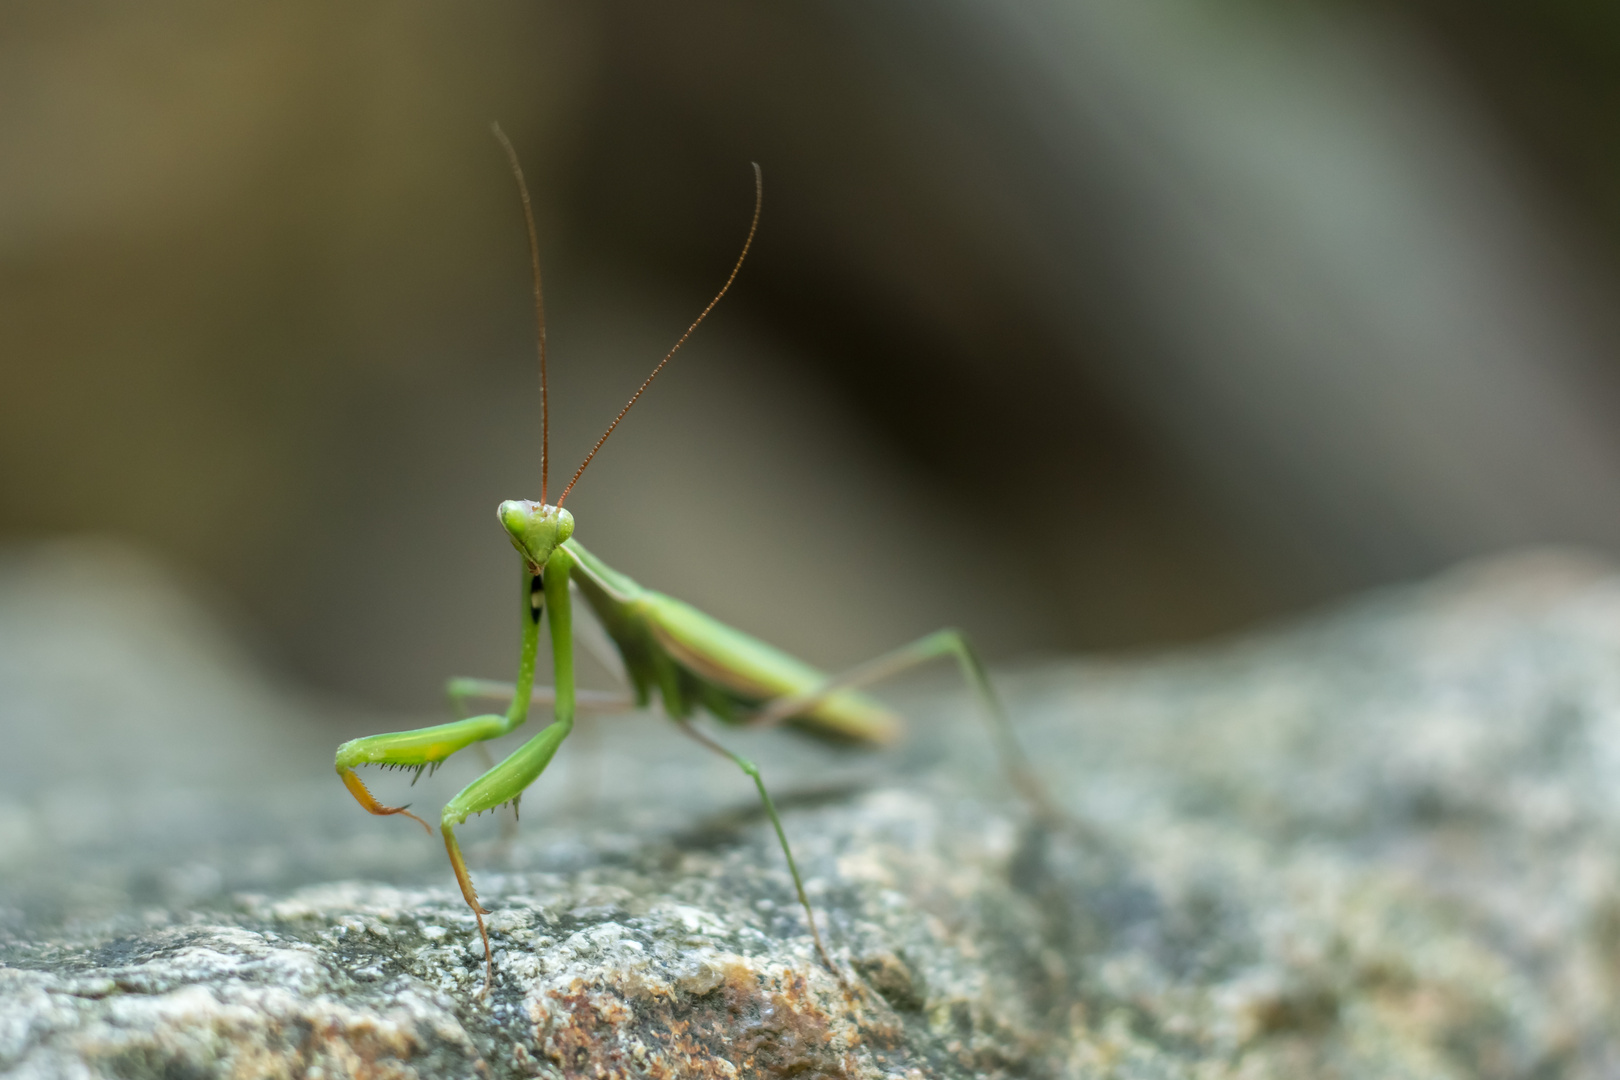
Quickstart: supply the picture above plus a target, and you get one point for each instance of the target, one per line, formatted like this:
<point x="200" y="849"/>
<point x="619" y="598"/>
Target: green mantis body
<point x="693" y="662"/>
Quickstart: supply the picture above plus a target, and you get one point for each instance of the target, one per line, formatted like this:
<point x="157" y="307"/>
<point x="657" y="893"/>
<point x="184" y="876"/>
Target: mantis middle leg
<point x="586" y="702"/>
<point x="752" y="771"/>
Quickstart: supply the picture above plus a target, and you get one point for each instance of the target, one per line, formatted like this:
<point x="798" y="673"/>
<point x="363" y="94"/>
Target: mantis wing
<point x="694" y="658"/>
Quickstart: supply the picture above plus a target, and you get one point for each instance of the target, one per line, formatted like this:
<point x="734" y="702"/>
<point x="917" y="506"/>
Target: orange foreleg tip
<point x="363" y="796"/>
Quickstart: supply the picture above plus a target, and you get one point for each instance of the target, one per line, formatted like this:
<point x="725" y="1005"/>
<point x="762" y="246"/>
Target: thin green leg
<point x="425" y="748"/>
<point x="947" y="642"/>
<point x="506" y="782"/>
<point x="461" y="689"/>
<point x="781" y="835"/>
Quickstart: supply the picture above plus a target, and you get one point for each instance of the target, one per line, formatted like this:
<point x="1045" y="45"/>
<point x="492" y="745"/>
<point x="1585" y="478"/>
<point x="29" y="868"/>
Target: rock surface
<point x="1384" y="842"/>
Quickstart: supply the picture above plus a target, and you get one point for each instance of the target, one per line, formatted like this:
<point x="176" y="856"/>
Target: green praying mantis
<point x="691" y="660"/>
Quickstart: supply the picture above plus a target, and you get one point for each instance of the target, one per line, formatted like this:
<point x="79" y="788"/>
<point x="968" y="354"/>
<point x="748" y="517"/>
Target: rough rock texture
<point x="1380" y="843"/>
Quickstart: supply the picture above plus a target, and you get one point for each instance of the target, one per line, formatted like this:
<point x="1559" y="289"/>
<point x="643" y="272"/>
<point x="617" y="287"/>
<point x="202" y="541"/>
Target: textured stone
<point x="1380" y="842"/>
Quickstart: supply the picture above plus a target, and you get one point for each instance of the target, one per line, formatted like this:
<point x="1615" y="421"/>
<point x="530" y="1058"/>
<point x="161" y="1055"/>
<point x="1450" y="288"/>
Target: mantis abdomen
<point x="694" y="660"/>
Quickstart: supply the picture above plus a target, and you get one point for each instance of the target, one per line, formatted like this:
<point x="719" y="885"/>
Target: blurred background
<point x="1082" y="324"/>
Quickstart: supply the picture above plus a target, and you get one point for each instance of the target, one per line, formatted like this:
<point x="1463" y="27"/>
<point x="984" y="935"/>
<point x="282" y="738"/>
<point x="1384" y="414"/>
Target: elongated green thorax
<point x="536" y="529"/>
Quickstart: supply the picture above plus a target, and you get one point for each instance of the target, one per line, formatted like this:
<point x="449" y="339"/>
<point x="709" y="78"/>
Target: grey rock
<point x="1380" y="842"/>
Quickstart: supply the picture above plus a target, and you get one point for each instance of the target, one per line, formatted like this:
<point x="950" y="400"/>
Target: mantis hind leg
<point x="752" y="771"/>
<point x="941" y="643"/>
<point x="503" y="784"/>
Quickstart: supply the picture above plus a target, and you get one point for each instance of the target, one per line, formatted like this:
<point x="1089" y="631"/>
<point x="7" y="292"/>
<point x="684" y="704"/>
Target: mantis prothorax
<point x="691" y="659"/>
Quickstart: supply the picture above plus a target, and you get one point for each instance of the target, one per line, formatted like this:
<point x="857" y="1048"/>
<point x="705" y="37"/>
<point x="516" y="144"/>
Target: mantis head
<point x="536" y="528"/>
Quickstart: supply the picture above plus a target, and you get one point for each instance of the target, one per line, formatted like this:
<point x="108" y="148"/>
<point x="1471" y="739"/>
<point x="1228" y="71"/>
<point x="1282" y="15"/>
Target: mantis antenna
<point x="759" y="199"/>
<point x="539" y="312"/>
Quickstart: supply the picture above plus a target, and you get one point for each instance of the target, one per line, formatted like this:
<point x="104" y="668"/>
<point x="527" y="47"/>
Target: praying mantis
<point x="692" y="660"/>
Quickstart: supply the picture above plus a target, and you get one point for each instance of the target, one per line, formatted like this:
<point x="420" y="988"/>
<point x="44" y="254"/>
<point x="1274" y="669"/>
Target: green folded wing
<point x="653" y="631"/>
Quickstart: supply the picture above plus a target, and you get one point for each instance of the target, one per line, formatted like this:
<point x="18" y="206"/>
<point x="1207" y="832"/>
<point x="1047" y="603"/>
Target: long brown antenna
<point x="759" y="199"/>
<point x="539" y="309"/>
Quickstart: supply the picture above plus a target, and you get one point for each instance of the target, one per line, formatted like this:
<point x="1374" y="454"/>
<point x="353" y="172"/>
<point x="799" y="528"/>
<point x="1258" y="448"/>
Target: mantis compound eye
<point x="536" y="529"/>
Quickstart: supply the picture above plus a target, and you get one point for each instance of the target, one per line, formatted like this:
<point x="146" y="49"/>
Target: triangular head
<point x="535" y="529"/>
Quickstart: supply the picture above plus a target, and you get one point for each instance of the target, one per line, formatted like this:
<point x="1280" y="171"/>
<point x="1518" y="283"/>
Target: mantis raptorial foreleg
<point x="947" y="642"/>
<point x="425" y="748"/>
<point x="500" y="785"/>
<point x="586" y="703"/>
<point x="506" y="782"/>
<point x="509" y="822"/>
